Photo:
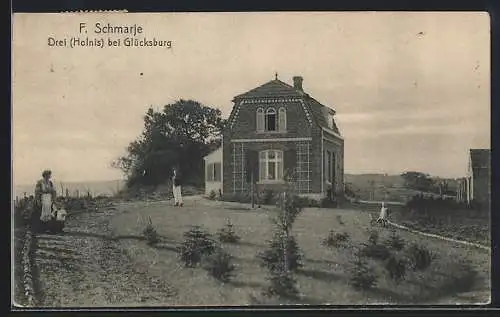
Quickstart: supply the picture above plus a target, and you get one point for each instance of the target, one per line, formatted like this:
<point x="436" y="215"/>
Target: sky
<point x="411" y="90"/>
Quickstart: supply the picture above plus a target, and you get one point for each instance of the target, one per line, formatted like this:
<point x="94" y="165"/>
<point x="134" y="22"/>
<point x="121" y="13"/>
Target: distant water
<point x="95" y="188"/>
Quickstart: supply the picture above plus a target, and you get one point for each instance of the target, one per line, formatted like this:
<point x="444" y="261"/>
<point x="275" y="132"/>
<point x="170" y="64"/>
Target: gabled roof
<point x="272" y="89"/>
<point x="213" y="152"/>
<point x="480" y="158"/>
<point x="277" y="88"/>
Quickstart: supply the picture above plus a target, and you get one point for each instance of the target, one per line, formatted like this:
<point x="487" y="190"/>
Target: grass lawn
<point x="458" y="274"/>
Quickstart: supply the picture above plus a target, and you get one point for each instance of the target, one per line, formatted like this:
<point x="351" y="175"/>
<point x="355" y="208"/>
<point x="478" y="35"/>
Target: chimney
<point x="297" y="82"/>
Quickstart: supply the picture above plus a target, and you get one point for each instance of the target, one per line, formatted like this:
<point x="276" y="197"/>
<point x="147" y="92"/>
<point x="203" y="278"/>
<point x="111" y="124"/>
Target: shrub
<point x="240" y="197"/>
<point x="375" y="251"/>
<point x="219" y="265"/>
<point x="314" y="203"/>
<point x="326" y="202"/>
<point x="395" y="242"/>
<point x="268" y="196"/>
<point x="227" y="234"/>
<point x="362" y="276"/>
<point x="419" y="257"/>
<point x="197" y="243"/>
<point x="396" y="268"/>
<point x="282" y="283"/>
<point x="336" y="239"/>
<point x="283" y="255"/>
<point x="304" y="202"/>
<point x="373" y="237"/>
<point x="273" y="256"/>
<point x="150" y="233"/>
<point x="212" y="195"/>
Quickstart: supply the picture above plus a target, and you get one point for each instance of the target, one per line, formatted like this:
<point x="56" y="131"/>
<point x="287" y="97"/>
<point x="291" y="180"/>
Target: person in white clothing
<point x="60" y="219"/>
<point x="383" y="215"/>
<point x="45" y="194"/>
<point x="176" y="188"/>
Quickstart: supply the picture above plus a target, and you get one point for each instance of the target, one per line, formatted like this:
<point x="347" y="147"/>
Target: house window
<point x="282" y="119"/>
<point x="330" y="166"/>
<point x="331" y="121"/>
<point x="260" y="120"/>
<point x="334" y="168"/>
<point x="213" y="171"/>
<point x="271" y="119"/>
<point x="328" y="169"/>
<point x="271" y="165"/>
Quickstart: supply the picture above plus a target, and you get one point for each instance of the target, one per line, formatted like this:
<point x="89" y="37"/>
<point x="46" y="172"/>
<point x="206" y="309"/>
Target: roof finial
<point x="276" y="75"/>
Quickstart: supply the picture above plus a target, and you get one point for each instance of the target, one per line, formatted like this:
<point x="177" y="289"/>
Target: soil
<point x="83" y="267"/>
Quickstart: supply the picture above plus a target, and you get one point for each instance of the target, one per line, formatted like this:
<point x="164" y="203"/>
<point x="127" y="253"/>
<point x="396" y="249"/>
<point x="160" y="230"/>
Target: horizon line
<point x="346" y="173"/>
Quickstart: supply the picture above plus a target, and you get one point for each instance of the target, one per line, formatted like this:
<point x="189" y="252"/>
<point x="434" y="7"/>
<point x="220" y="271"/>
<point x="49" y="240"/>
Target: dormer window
<point x="270" y="120"/>
<point x="331" y="121"/>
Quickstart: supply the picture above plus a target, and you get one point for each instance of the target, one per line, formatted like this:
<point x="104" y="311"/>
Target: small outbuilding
<point x="213" y="172"/>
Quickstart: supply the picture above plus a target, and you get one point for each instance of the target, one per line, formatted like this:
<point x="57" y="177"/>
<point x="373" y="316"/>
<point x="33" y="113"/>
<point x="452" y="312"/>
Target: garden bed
<point x="460" y="223"/>
<point x="24" y="273"/>
<point x="19" y="292"/>
<point x="324" y="278"/>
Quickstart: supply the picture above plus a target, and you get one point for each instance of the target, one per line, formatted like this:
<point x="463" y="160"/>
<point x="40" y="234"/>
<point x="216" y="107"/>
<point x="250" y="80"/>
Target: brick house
<point x="477" y="184"/>
<point x="276" y="130"/>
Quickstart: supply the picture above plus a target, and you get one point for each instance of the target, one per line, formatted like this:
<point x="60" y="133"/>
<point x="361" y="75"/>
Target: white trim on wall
<point x="322" y="163"/>
<point x="333" y="133"/>
<point x="332" y="141"/>
<point x="236" y="113"/>
<point x="270" y="140"/>
<point x="306" y="110"/>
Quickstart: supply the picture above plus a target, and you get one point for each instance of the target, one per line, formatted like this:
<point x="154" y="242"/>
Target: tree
<point x="178" y="136"/>
<point x="418" y="181"/>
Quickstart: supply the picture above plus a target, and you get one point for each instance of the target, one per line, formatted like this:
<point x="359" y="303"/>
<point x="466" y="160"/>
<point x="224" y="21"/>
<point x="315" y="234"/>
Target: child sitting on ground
<point x="58" y="219"/>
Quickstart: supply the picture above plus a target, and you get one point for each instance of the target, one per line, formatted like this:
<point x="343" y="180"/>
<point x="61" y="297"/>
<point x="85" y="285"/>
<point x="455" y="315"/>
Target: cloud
<point x="410" y="95"/>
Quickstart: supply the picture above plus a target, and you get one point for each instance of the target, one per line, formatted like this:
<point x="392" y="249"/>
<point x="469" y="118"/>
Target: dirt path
<point x="83" y="267"/>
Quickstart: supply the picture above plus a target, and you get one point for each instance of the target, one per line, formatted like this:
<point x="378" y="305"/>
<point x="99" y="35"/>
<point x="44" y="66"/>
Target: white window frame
<point x="282" y="119"/>
<point x="271" y="111"/>
<point x="329" y="163"/>
<point x="331" y="120"/>
<point x="211" y="171"/>
<point x="260" y="119"/>
<point x="264" y="160"/>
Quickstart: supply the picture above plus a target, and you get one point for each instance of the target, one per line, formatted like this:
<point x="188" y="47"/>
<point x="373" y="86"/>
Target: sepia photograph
<point x="250" y="159"/>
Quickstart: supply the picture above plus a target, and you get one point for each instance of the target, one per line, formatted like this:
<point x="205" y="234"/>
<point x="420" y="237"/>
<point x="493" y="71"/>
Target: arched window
<point x="270" y="121"/>
<point x="260" y="120"/>
<point x="282" y="119"/>
<point x="271" y="165"/>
